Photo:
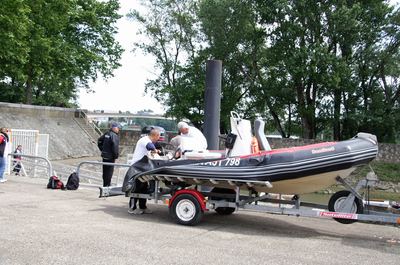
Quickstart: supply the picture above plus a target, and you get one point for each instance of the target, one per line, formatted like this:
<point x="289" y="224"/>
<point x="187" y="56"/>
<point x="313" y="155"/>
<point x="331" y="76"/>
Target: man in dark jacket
<point x="109" y="145"/>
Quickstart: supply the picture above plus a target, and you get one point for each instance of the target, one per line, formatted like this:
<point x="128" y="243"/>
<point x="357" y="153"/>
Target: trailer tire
<point x="335" y="201"/>
<point x="186" y="210"/>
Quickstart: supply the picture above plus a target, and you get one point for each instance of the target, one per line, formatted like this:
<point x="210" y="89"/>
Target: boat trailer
<point x="187" y="203"/>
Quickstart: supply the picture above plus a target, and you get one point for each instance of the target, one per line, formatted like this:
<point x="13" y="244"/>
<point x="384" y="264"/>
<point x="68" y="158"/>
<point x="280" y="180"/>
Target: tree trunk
<point x="28" y="90"/>
<point x="289" y="124"/>
<point x="306" y="122"/>
<point x="336" y="115"/>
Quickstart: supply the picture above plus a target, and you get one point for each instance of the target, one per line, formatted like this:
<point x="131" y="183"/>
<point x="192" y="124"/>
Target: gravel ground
<point x="40" y="226"/>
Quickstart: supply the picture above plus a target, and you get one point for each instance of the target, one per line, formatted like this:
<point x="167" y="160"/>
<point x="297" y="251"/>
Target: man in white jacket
<point x="191" y="138"/>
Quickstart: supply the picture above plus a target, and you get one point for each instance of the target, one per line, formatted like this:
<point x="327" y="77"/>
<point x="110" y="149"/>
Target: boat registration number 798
<point x="229" y="162"/>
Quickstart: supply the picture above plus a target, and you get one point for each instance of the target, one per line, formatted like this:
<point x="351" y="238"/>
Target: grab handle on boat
<point x="235" y="115"/>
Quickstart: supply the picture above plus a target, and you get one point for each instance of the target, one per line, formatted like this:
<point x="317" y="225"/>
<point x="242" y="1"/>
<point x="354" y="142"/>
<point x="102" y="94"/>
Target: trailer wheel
<point x="337" y="199"/>
<point x="186" y="210"/>
<point x="224" y="210"/>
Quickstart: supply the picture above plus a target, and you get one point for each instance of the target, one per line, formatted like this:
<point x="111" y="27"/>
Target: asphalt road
<point x="40" y="226"/>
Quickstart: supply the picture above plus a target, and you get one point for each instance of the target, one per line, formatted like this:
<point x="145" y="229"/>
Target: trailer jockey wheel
<point x="224" y="210"/>
<point x="186" y="210"/>
<point x="335" y="203"/>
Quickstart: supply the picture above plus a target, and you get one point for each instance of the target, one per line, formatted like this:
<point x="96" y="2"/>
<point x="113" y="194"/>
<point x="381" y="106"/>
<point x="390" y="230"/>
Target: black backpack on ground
<point x="55" y="183"/>
<point x="73" y="182"/>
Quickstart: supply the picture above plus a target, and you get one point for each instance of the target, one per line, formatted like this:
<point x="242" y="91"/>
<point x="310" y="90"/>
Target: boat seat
<point x="259" y="132"/>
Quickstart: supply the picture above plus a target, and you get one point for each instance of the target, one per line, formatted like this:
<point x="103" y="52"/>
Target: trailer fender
<point x="197" y="194"/>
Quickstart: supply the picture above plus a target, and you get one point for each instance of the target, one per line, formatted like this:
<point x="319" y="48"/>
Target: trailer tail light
<point x="167" y="202"/>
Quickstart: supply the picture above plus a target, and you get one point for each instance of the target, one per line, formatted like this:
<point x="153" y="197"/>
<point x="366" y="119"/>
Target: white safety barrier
<point x="33" y="145"/>
<point x="43" y="148"/>
<point x="29" y="139"/>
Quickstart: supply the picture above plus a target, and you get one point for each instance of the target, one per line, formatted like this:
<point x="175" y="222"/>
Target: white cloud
<point x="124" y="91"/>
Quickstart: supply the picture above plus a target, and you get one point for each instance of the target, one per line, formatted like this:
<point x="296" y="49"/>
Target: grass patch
<point x="373" y="194"/>
<point x="384" y="195"/>
<point x="385" y="171"/>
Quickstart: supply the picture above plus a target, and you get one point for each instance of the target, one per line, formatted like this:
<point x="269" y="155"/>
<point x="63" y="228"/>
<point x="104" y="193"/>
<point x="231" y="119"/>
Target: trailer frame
<point x="198" y="201"/>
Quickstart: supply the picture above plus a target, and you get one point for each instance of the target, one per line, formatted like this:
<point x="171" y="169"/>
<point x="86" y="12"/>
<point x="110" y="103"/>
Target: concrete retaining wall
<point x="389" y="153"/>
<point x="67" y="139"/>
<point x="129" y="138"/>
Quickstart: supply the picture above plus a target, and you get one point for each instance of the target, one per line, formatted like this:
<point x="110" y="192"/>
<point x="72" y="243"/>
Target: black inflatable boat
<point x="295" y="170"/>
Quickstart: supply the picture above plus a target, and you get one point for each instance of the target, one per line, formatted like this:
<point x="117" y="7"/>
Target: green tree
<point x="331" y="52"/>
<point x="14" y="24"/>
<point x="312" y="68"/>
<point x="70" y="43"/>
<point x="173" y="39"/>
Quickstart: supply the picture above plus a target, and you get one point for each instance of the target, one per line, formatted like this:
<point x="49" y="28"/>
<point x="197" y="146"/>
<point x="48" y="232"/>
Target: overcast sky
<point x="125" y="91"/>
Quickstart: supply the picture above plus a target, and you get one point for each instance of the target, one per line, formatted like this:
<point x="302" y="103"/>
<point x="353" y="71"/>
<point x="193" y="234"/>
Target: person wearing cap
<point x="108" y="144"/>
<point x="143" y="146"/>
<point x="191" y="138"/>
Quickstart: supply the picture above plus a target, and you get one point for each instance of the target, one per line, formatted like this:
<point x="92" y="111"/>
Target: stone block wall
<point x="68" y="140"/>
<point x="389" y="153"/>
<point x="129" y="138"/>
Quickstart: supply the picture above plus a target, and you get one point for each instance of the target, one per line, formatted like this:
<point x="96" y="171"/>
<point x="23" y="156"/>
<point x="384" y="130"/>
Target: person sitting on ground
<point x="143" y="146"/>
<point x="192" y="139"/>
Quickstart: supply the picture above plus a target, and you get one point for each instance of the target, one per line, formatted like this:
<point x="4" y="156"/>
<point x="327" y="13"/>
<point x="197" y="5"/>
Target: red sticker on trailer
<point x="339" y="215"/>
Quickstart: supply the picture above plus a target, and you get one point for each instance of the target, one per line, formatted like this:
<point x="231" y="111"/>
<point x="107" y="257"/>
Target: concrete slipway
<point x="40" y="226"/>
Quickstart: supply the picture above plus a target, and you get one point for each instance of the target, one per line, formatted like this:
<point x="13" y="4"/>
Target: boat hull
<point x="295" y="170"/>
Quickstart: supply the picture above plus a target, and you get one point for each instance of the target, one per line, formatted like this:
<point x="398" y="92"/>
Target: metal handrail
<point x="50" y="167"/>
<point x="64" y="169"/>
<point x="82" y="114"/>
<point x="78" y="168"/>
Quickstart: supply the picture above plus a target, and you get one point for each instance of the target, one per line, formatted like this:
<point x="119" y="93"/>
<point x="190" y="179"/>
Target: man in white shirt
<point x="143" y="146"/>
<point x="191" y="138"/>
<point x="146" y="144"/>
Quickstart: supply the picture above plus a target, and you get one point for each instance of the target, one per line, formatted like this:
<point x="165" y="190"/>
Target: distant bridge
<point x="104" y="115"/>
